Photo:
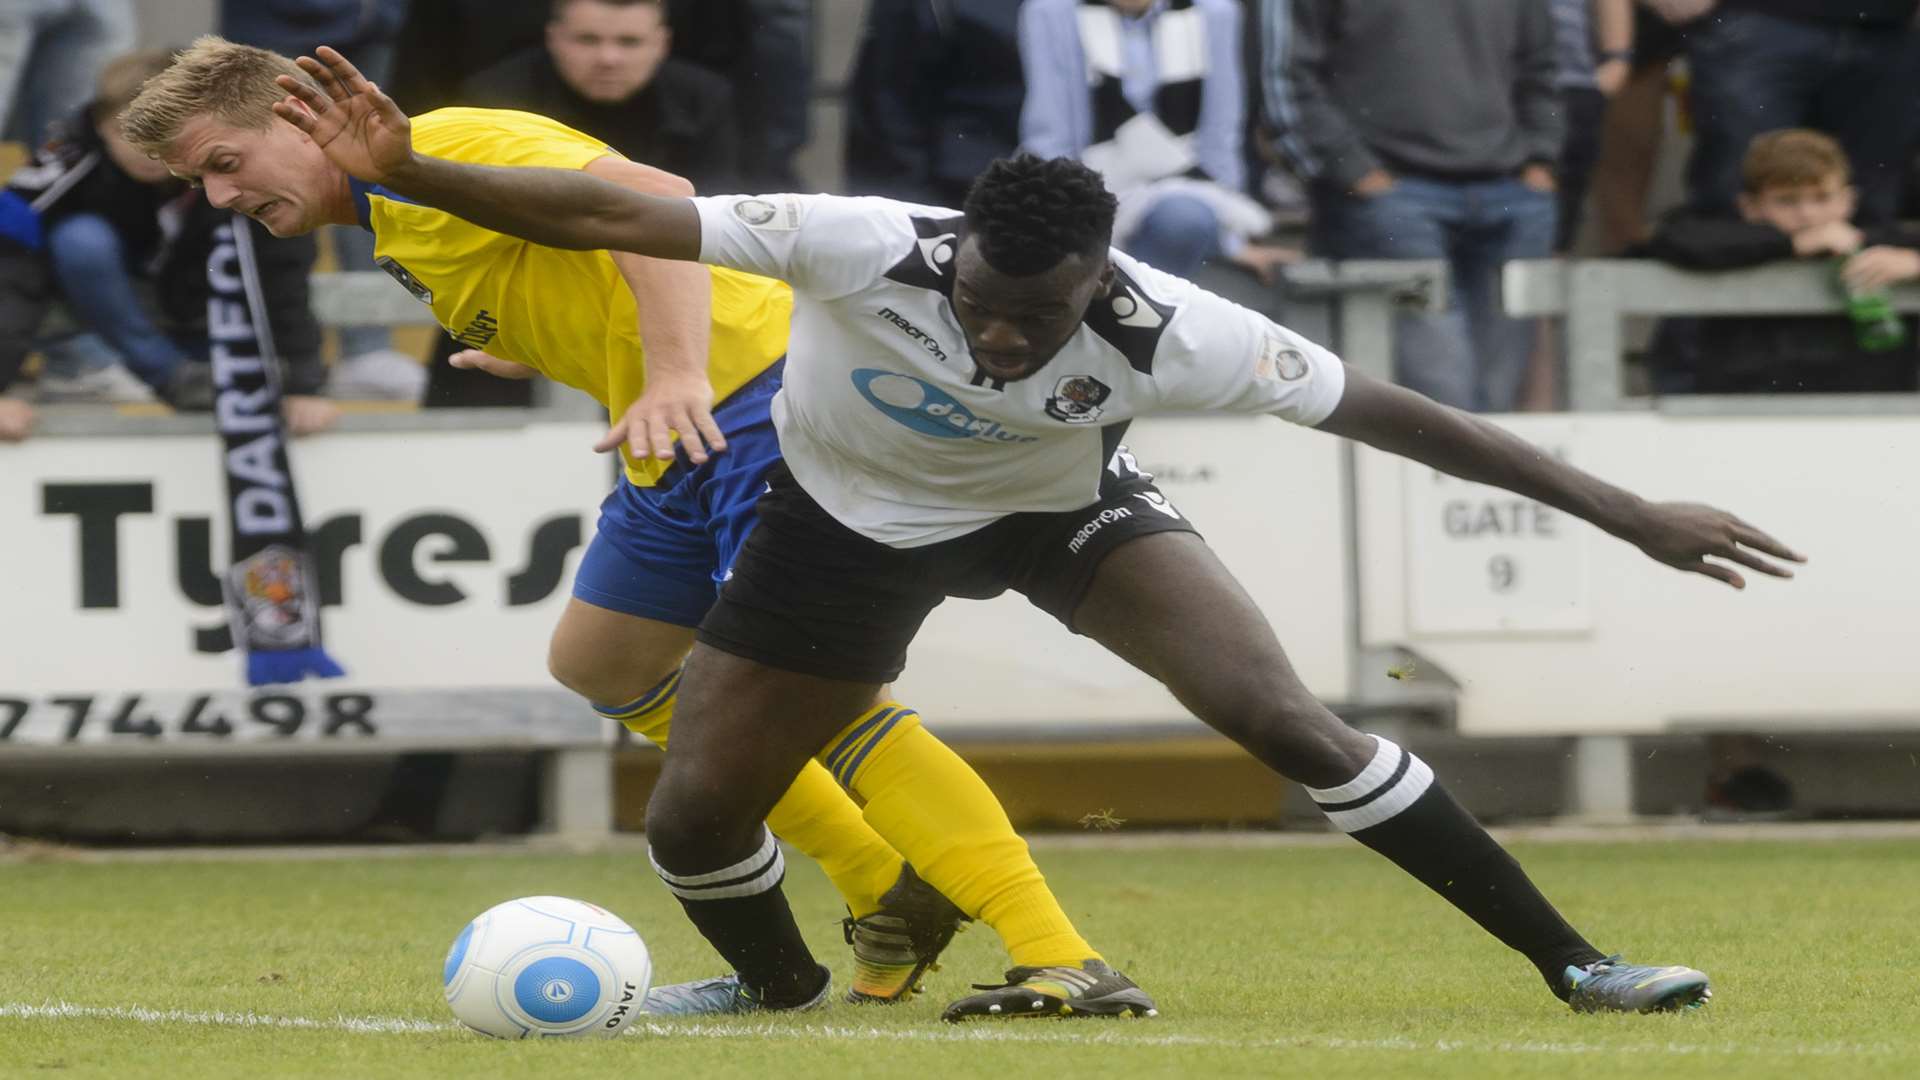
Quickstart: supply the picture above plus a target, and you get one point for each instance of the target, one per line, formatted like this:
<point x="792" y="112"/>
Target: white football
<point x="546" y="966"/>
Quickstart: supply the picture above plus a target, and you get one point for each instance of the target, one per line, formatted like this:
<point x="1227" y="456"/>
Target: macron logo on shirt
<point x="919" y="336"/>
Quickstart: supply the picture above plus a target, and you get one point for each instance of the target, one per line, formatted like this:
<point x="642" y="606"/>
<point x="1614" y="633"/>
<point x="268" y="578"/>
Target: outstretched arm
<point x="1682" y="535"/>
<point x="364" y="132"/>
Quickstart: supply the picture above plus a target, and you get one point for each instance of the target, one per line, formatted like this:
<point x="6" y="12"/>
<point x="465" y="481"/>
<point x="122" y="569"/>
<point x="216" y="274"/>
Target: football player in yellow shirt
<point x="669" y="348"/>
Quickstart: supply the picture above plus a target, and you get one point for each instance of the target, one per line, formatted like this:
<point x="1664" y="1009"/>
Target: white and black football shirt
<point x="888" y="425"/>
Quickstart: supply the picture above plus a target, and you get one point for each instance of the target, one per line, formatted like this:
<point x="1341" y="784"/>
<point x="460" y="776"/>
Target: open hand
<point x="1684" y="535"/>
<point x="667" y="406"/>
<point x="359" y="128"/>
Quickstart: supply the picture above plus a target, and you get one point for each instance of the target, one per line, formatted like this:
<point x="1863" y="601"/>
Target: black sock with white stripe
<point x="1397" y="808"/>
<point x="742" y="911"/>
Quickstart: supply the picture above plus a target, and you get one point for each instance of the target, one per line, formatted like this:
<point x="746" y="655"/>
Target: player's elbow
<point x="673" y="186"/>
<point x="644" y="179"/>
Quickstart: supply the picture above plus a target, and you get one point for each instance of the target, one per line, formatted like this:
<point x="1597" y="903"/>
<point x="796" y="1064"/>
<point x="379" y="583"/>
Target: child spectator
<point x="1850" y="69"/>
<point x="93" y="222"/>
<point x="1797" y="201"/>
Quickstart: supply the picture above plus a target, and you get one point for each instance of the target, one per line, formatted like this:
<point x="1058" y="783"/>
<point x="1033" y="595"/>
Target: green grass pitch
<point x="1304" y="961"/>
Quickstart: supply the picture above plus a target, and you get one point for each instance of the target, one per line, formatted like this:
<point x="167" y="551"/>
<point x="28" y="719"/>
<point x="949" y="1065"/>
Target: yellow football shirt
<point x="567" y="314"/>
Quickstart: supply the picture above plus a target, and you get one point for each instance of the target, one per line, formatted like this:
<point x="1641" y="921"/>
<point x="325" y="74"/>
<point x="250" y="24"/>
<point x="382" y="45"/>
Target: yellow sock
<point x="935" y="810"/>
<point x="814" y="815"/>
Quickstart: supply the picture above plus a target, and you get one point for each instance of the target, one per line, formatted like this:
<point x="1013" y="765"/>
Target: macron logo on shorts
<point x="1092" y="528"/>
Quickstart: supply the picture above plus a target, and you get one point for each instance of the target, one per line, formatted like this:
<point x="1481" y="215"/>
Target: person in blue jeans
<point x="50" y="53"/>
<point x="1426" y="131"/>
<point x="1851" y="70"/>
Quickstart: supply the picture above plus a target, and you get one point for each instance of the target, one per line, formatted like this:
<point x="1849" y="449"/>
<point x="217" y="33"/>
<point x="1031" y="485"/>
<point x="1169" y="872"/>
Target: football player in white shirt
<point x="955" y="388"/>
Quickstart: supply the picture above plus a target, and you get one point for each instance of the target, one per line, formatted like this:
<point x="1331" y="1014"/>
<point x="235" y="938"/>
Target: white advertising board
<point x="1658" y="649"/>
<point x="1268" y="496"/>
<point x="446" y="557"/>
<point x="1485" y="561"/>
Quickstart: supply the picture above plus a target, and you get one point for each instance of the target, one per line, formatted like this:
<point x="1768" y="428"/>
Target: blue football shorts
<point x="662" y="552"/>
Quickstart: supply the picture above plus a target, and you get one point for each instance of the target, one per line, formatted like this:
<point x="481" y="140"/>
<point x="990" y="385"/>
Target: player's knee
<point x="691" y="820"/>
<point x="1285" y="727"/>
<point x="600" y="679"/>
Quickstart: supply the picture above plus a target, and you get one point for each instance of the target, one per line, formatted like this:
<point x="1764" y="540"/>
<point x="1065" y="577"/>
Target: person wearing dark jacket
<point x="1849" y="69"/>
<point x="763" y="48"/>
<point x="1797" y="202"/>
<point x="604" y="70"/>
<point x="934" y="96"/>
<point x="93" y="223"/>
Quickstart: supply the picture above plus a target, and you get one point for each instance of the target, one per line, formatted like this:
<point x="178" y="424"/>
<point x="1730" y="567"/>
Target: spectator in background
<point x="1427" y="131"/>
<point x="773" y="88"/>
<point x="1850" y="68"/>
<point x="24" y="294"/>
<point x="1595" y="43"/>
<point x="97" y="224"/>
<point x="87" y="197"/>
<point x="443" y="42"/>
<point x="1797" y="201"/>
<point x="763" y="48"/>
<point x="605" y="70"/>
<point x="365" y="30"/>
<point x="1636" y="122"/>
<point x="50" y="53"/>
<point x="1152" y="94"/>
<point x="934" y="96"/>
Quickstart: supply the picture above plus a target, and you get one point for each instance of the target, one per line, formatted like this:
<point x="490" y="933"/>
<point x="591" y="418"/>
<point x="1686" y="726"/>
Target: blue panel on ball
<point x="557" y="990"/>
<point x="456" y="954"/>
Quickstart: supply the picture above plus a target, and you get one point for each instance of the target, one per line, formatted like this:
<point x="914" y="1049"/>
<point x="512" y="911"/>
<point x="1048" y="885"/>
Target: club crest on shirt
<point x="1076" y="399"/>
<point x="405" y="277"/>
<point x="761" y="214"/>
<point x="1281" y="361"/>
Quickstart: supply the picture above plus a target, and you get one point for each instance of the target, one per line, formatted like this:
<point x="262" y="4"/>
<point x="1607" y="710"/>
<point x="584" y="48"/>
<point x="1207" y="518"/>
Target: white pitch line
<point x="981" y="1032"/>
<point x="359" y="1025"/>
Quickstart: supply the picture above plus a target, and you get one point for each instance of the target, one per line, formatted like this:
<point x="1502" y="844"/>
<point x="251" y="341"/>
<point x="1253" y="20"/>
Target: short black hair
<point x="559" y="7"/>
<point x="1030" y="212"/>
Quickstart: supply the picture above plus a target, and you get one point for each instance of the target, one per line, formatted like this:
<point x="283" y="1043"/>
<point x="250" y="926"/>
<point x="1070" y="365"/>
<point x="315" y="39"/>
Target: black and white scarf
<point x="1130" y="146"/>
<point x="272" y="600"/>
<point x="1146" y="155"/>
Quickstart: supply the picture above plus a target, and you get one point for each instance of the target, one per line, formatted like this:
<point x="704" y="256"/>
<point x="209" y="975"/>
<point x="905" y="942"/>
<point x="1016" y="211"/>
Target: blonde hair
<point x="1793" y="157"/>
<point x="212" y="77"/>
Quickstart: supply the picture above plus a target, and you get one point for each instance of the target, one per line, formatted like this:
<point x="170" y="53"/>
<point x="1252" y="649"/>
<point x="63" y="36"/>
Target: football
<point x="547" y="966"/>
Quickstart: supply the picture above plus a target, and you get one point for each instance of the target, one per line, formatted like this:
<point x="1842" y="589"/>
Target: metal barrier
<point x="1595" y="295"/>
